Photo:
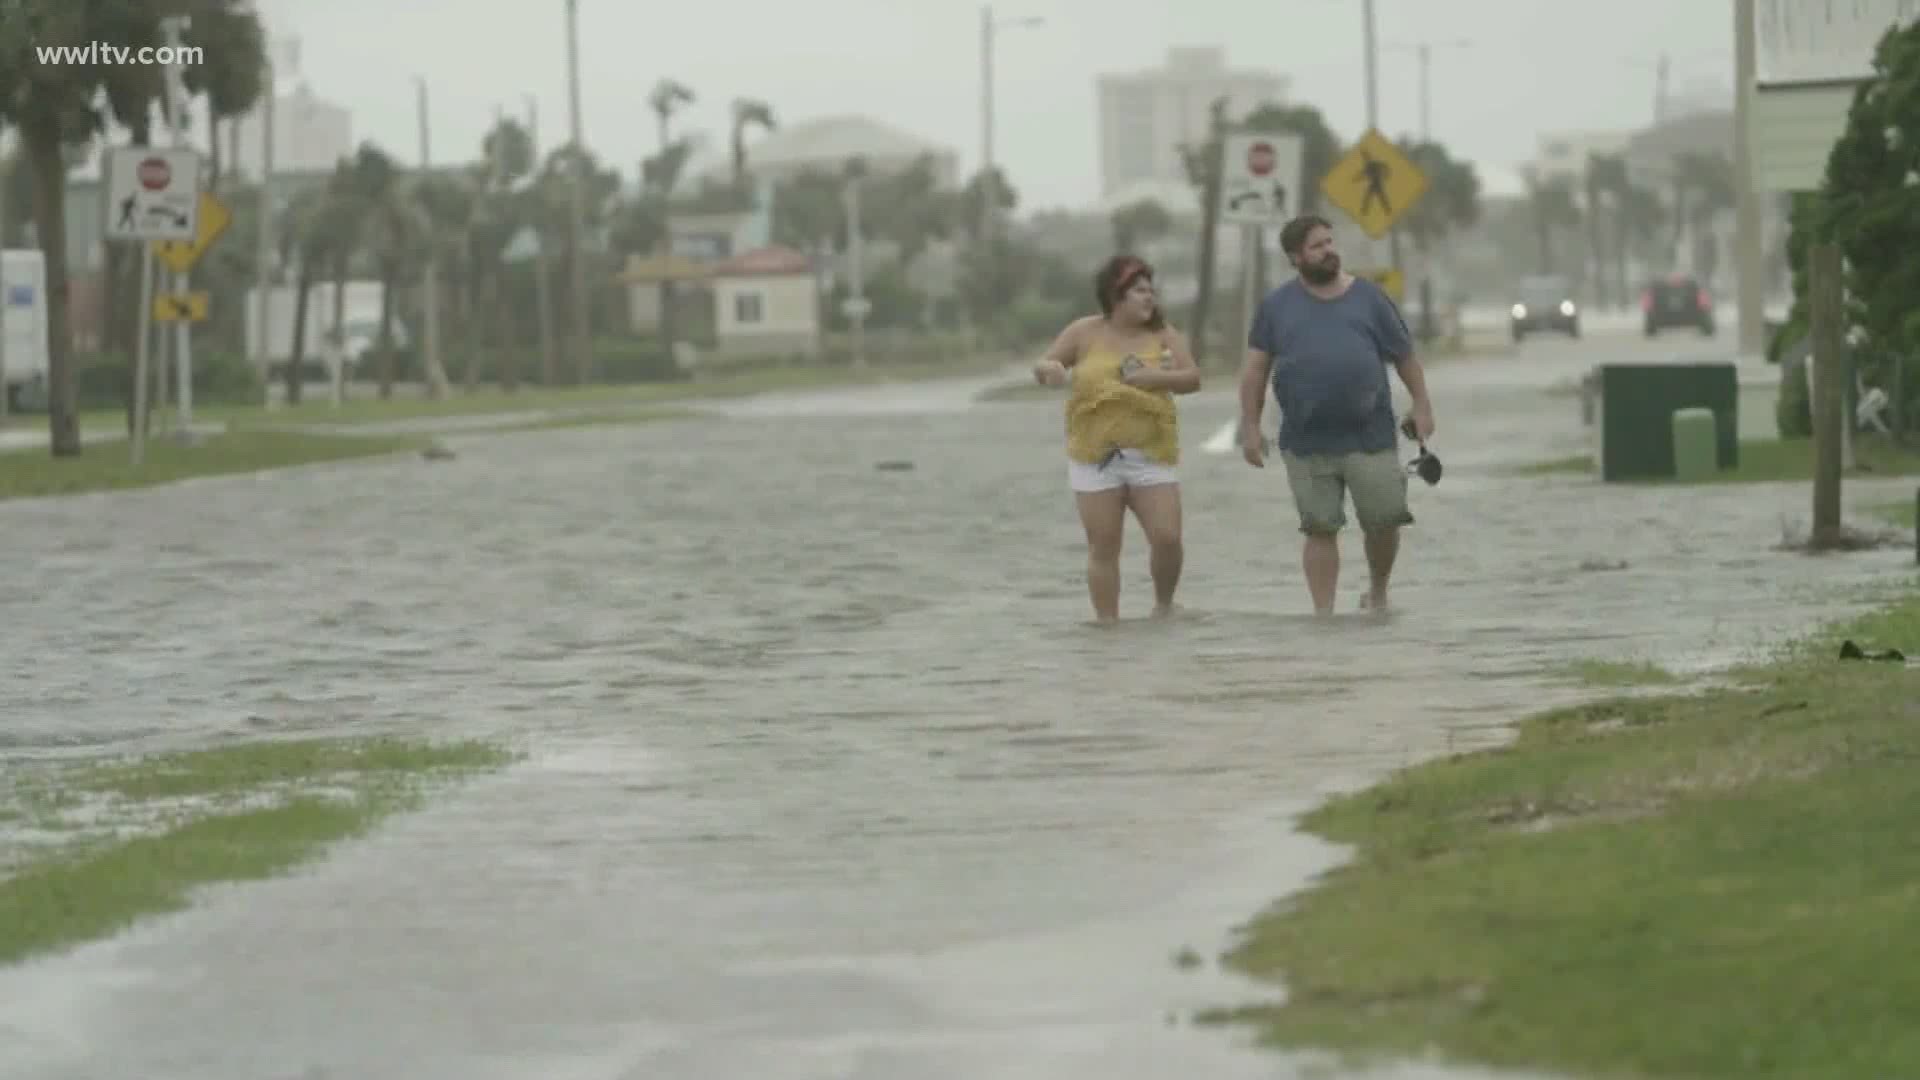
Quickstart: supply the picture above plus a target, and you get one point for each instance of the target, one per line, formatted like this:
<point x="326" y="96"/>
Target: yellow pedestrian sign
<point x="181" y="307"/>
<point x="1375" y="184"/>
<point x="1391" y="282"/>
<point x="180" y="255"/>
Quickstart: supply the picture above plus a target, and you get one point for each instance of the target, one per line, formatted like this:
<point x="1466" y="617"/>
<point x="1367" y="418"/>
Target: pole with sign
<point x="152" y="194"/>
<point x="1262" y="177"/>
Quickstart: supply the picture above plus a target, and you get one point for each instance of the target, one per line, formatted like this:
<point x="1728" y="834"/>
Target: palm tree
<point x="1703" y="189"/>
<point x="1606" y="182"/>
<point x="747" y="112"/>
<point x="1202" y="165"/>
<point x="223" y="30"/>
<point x="509" y="203"/>
<point x="668" y="97"/>
<point x="1554" y="207"/>
<point x="55" y="106"/>
<point x="1452" y="201"/>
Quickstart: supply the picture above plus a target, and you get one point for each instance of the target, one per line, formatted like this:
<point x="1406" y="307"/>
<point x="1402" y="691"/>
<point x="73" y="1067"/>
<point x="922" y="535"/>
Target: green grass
<point x="231" y="814"/>
<point x="1895" y="513"/>
<point x="1699" y="885"/>
<point x="1620" y="673"/>
<point x="107" y="466"/>
<point x="1763" y="460"/>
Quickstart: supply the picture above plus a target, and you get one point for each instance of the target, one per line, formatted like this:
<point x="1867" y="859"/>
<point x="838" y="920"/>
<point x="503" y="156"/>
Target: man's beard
<point x="1323" y="272"/>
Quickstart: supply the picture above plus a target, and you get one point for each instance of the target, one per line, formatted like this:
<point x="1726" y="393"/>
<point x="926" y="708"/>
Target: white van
<point x="23" y="316"/>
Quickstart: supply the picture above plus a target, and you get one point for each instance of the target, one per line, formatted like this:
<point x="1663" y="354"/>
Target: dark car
<point x="1677" y="301"/>
<point x="1545" y="303"/>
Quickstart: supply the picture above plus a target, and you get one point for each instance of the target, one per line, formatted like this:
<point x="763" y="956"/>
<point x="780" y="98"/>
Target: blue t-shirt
<point x="1330" y="361"/>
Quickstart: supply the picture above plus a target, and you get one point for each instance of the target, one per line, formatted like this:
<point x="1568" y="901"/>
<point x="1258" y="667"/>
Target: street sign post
<point x="152" y="194"/>
<point x="1375" y="184"/>
<point x="1261" y="179"/>
<point x="181" y="307"/>
<point x="211" y="220"/>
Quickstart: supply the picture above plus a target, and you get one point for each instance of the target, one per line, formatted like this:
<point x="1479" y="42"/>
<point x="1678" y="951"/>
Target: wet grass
<point x="361" y="407"/>
<point x="1895" y="513"/>
<point x="1702" y="886"/>
<point x="1620" y="673"/>
<point x="108" y="467"/>
<point x="120" y="841"/>
<point x="1764" y="460"/>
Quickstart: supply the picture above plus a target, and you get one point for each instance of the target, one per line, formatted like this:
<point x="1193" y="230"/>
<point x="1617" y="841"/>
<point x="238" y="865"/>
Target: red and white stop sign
<point x="1260" y="158"/>
<point x="155" y="174"/>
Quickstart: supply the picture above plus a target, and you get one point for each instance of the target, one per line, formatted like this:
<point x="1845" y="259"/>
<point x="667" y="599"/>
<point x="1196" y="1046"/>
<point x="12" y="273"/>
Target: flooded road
<point x="828" y="778"/>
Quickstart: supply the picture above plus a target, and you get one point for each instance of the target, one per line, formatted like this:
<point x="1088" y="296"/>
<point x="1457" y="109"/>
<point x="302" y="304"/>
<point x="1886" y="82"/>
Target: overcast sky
<point x="1530" y="66"/>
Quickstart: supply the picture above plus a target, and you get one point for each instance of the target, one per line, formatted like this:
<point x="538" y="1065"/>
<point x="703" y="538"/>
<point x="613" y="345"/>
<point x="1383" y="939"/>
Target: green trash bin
<point x="1637" y="403"/>
<point x="1696" y="449"/>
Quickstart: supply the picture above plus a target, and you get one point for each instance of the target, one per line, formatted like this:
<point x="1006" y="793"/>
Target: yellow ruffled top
<point x="1105" y="414"/>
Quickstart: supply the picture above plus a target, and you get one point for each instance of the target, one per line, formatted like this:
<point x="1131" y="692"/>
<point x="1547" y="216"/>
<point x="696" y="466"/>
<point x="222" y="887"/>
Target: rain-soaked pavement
<point x="828" y="778"/>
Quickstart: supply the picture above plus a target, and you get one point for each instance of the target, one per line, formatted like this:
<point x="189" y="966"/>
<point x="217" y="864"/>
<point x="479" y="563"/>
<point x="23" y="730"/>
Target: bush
<point x="105" y="380"/>
<point x="1793" y="408"/>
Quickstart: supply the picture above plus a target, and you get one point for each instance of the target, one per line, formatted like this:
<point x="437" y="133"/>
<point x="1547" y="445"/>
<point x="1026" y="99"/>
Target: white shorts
<point x="1126" y="469"/>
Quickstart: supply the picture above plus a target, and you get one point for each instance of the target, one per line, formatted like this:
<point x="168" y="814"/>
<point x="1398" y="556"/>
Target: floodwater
<point x="828" y="778"/>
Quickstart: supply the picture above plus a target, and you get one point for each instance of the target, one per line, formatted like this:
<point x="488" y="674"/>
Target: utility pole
<point x="1370" y="46"/>
<point x="263" y="257"/>
<point x="1747" y="269"/>
<point x="583" y="355"/>
<point x="430" y="277"/>
<point x="6" y="185"/>
<point x="171" y="27"/>
<point x="989" y="29"/>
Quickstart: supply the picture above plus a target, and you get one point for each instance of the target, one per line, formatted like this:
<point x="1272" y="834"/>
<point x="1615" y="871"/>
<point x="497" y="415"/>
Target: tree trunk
<point x="388" y="283"/>
<point x="508" y="371"/>
<point x="428" y="347"/>
<point x="466" y="318"/>
<point x="1828" y="333"/>
<point x="49" y="167"/>
<point x="1203" y="295"/>
<point x="339" y="333"/>
<point x="543" y="293"/>
<point x="297" y="354"/>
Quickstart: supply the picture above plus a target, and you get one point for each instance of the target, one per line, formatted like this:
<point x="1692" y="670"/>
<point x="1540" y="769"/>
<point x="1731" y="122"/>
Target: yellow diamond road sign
<point x="180" y="255"/>
<point x="1375" y="184"/>
<point x="180" y="307"/>
<point x="1390" y="282"/>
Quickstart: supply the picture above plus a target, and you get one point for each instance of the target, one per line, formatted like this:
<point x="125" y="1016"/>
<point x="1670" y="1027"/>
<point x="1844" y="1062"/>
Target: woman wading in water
<point x="1122" y="368"/>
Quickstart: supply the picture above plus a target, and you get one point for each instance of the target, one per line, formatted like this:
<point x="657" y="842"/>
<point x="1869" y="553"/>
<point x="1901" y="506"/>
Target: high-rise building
<point x="1146" y="116"/>
<point x="309" y="134"/>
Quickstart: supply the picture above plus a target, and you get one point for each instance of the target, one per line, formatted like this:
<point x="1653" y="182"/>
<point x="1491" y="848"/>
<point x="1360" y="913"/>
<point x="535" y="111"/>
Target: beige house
<point x="766" y="301"/>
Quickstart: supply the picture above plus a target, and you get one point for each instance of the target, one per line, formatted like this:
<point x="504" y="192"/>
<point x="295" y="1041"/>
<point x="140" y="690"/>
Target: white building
<point x="827" y="143"/>
<point x="1145" y="116"/>
<point x="1565" y="153"/>
<point x="309" y="133"/>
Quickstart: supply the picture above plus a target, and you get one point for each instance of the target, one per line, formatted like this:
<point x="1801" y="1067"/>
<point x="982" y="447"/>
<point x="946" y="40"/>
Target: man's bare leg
<point x="1321" y="561"/>
<point x="1383" y="546"/>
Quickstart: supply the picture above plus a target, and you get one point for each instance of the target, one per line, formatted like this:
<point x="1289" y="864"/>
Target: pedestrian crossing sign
<point x="1375" y="184"/>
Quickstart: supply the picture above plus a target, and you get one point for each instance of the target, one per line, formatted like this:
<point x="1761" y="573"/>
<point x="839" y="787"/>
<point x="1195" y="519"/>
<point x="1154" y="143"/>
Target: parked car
<point x="1545" y="303"/>
<point x="1677" y="301"/>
